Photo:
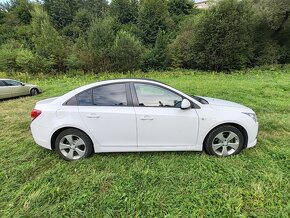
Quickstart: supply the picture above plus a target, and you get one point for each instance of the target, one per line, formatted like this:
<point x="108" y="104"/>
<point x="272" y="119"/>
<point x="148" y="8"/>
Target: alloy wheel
<point x="72" y="147"/>
<point x="225" y="143"/>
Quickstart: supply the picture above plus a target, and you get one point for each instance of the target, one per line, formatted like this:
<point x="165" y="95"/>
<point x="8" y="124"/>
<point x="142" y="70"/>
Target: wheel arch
<point x="57" y="132"/>
<point x="238" y="126"/>
<point x="37" y="89"/>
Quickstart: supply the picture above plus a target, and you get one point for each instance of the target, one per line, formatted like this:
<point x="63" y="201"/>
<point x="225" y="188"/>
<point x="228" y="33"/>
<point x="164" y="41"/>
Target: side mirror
<point x="185" y="104"/>
<point x="22" y="84"/>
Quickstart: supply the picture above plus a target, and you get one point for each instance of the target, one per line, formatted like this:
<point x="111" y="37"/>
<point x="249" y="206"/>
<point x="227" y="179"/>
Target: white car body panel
<point x="121" y="131"/>
<point x="166" y="127"/>
<point x="132" y="129"/>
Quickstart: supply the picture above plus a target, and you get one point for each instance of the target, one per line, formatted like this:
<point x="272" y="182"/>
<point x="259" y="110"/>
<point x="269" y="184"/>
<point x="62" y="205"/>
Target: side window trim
<point x="128" y="96"/>
<point x="136" y="102"/>
<point x="135" y="98"/>
<point x="3" y="83"/>
<point x="6" y="83"/>
<point x="134" y="95"/>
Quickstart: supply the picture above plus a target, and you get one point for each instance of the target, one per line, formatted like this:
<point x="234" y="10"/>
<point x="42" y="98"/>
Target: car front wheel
<point x="224" y="141"/>
<point x="73" y="144"/>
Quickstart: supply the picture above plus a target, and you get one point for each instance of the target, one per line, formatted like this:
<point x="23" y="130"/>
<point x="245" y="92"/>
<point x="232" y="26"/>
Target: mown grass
<point x="36" y="183"/>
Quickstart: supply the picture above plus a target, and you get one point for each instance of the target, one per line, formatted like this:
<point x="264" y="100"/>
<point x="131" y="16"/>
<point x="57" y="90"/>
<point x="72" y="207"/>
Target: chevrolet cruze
<point x="136" y="115"/>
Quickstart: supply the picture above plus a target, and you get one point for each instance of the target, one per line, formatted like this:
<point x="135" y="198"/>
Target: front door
<point x="160" y="121"/>
<point x="17" y="89"/>
<point x="107" y="113"/>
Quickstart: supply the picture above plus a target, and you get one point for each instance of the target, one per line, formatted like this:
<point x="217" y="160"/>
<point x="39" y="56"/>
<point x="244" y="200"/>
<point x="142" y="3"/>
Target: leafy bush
<point x="153" y="17"/>
<point x="222" y="37"/>
<point x="101" y="37"/>
<point x="126" y="52"/>
<point x="8" y="53"/>
<point x="25" y="60"/>
<point x="48" y="43"/>
<point x="61" y="35"/>
<point x="157" y="57"/>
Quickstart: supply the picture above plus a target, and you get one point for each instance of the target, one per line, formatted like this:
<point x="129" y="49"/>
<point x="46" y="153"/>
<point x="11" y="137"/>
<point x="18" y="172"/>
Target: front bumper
<point x="253" y="139"/>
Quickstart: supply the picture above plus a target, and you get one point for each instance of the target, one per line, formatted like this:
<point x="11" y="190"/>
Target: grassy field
<point x="36" y="183"/>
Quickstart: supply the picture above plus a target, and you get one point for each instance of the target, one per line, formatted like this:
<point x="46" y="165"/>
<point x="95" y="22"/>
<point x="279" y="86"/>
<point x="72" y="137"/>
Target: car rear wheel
<point x="33" y="92"/>
<point x="224" y="141"/>
<point x="73" y="144"/>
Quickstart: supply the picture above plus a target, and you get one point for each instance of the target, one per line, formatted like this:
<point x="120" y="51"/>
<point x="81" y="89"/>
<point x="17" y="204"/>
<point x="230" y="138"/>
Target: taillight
<point x="35" y="113"/>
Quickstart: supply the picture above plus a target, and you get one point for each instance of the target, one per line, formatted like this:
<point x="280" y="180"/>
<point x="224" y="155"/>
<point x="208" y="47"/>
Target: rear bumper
<point x="39" y="136"/>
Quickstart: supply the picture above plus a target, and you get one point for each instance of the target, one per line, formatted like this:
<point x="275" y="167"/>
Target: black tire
<point x="83" y="150"/>
<point x="231" y="147"/>
<point x="34" y="91"/>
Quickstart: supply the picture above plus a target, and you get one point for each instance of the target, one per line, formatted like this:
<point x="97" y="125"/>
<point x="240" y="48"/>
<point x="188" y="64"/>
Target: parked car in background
<point x="134" y="115"/>
<point x="12" y="88"/>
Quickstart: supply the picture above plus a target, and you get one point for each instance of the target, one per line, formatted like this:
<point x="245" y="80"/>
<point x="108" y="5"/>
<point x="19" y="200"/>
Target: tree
<point x="62" y="12"/>
<point x="222" y="36"/>
<point x="180" y="51"/>
<point x="272" y="32"/>
<point x="157" y="57"/>
<point x="275" y="14"/>
<point x="81" y="23"/>
<point x="180" y="7"/>
<point x="98" y="8"/>
<point x="125" y="11"/>
<point x="126" y="52"/>
<point x="25" y="60"/>
<point x="153" y="16"/>
<point x="8" y="53"/>
<point x="101" y="37"/>
<point x="47" y="41"/>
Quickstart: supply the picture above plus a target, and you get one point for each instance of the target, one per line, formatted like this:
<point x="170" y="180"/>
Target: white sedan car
<point x="136" y="115"/>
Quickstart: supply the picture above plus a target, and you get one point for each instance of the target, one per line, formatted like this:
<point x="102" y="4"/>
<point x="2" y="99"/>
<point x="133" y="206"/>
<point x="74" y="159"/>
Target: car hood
<point x="30" y="85"/>
<point x="223" y="103"/>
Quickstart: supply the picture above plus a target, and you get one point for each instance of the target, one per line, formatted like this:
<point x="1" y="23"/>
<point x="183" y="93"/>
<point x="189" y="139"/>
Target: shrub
<point x="157" y="57"/>
<point x="48" y="43"/>
<point x="8" y="53"/>
<point x="267" y="52"/>
<point x="101" y="37"/>
<point x="153" y="17"/>
<point x="25" y="60"/>
<point x="126" y="52"/>
<point x="222" y="37"/>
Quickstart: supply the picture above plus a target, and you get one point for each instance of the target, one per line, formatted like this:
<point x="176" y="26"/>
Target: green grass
<point x="36" y="183"/>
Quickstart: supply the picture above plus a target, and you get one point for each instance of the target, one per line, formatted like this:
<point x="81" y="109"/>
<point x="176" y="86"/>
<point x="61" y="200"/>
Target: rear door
<point x="108" y="113"/>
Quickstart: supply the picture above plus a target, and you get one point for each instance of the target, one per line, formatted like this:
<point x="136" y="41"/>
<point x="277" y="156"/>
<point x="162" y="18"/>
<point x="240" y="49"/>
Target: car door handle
<point x="93" y="116"/>
<point x="146" y="117"/>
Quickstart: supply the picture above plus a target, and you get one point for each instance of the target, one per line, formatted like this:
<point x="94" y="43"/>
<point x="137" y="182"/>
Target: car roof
<point x="129" y="80"/>
<point x="1" y="79"/>
<point x="106" y="82"/>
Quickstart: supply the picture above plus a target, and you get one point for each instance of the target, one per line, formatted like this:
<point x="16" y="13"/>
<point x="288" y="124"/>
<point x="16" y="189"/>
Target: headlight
<point x="252" y="115"/>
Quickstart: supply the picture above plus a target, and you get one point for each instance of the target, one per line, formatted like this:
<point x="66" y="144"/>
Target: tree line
<point x="126" y="35"/>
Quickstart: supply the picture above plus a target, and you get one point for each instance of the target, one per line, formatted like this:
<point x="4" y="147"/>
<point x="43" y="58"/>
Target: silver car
<point x="11" y="88"/>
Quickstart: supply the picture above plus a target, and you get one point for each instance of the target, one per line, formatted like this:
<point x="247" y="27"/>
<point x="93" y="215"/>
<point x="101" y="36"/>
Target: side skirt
<point x="146" y="149"/>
